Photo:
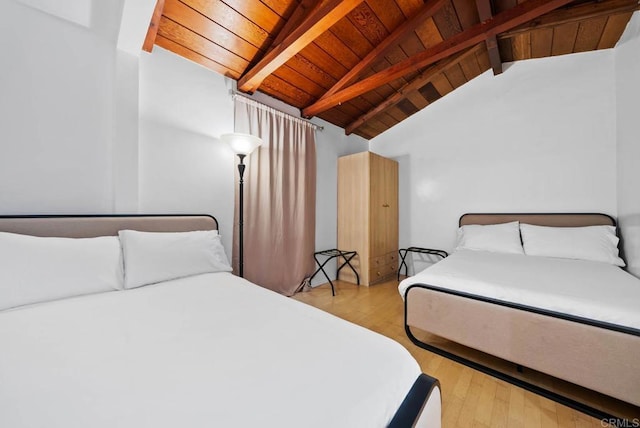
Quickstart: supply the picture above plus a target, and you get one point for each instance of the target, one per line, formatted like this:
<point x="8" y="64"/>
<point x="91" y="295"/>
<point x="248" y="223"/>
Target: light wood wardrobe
<point x="368" y="215"/>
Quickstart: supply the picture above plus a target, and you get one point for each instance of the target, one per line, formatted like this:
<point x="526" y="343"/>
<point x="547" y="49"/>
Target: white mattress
<point x="206" y="351"/>
<point x="592" y="290"/>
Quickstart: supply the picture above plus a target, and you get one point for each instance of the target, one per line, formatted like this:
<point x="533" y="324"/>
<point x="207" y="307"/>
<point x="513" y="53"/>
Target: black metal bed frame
<point x="581" y="407"/>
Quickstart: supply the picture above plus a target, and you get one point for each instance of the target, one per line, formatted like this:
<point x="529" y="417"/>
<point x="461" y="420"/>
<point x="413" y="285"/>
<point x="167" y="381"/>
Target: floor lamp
<point x="242" y="145"/>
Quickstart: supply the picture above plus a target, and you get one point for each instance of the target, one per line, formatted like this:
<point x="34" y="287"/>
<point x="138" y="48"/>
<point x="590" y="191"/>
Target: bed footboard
<point x="422" y="407"/>
<point x="599" y="356"/>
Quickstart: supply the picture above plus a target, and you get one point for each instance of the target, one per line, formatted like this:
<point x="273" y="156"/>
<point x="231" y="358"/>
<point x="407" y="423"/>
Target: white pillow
<point x="595" y="243"/>
<point x="35" y="269"/>
<point x="151" y="257"/>
<point x="497" y="238"/>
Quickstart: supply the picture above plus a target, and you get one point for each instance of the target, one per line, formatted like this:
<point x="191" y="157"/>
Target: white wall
<point x="540" y="137"/>
<point x="184" y="108"/>
<point x="56" y="111"/>
<point x="184" y="167"/>
<point x="627" y="70"/>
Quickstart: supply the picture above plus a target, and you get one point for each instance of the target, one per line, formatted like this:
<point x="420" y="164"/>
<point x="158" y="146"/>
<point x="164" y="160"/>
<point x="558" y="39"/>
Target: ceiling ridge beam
<point x="421" y="80"/>
<point x="500" y="23"/>
<point x="485" y="13"/>
<point x="320" y="20"/>
<point x="152" y="32"/>
<point x="574" y="14"/>
<point x="427" y="11"/>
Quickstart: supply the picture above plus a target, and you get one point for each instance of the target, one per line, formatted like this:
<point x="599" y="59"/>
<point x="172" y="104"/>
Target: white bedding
<point x="204" y="351"/>
<point x="594" y="290"/>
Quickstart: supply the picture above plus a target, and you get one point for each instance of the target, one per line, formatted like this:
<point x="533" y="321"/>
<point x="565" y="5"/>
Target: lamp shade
<point x="241" y="144"/>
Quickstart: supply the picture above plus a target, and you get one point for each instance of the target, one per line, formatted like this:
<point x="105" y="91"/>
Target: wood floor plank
<point x="469" y="398"/>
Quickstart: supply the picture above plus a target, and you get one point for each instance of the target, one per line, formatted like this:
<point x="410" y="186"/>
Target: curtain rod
<point x="235" y="94"/>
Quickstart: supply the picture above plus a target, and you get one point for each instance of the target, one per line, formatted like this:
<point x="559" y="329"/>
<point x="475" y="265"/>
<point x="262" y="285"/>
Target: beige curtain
<point x="279" y="198"/>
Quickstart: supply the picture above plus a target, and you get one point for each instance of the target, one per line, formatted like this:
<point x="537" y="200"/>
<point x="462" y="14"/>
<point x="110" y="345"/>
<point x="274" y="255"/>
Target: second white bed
<point x="586" y="289"/>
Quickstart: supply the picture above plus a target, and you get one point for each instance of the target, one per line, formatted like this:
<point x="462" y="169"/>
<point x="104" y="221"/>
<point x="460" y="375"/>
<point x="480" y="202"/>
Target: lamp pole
<point x="242" y="145"/>
<point x="241" y="167"/>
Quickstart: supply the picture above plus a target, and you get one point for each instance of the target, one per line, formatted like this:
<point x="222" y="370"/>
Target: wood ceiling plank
<point x="333" y="116"/>
<point x="362" y="104"/>
<point x="379" y="127"/>
<point x="198" y="23"/>
<point x="184" y="52"/>
<point x="574" y="14"/>
<point x="442" y="84"/>
<point x="320" y="20"/>
<point x="257" y="12"/>
<point x="329" y="64"/>
<point x="521" y="45"/>
<point x="395" y="55"/>
<point x="447" y="21"/>
<point x="387" y="44"/>
<point x="418" y="82"/>
<point x="483" y="60"/>
<point x="406" y="107"/>
<point x="616" y="25"/>
<point x="366" y="21"/>
<point x="430" y="93"/>
<point x="351" y="37"/>
<point x="387" y="120"/>
<point x="429" y="34"/>
<point x="409" y="7"/>
<point x="470" y="67"/>
<point x="394" y="112"/>
<point x="467" y="13"/>
<point x="388" y="12"/>
<point x="456" y="76"/>
<point x="303" y="66"/>
<point x="499" y="23"/>
<point x="332" y="45"/>
<point x="417" y="99"/>
<point x="348" y="110"/>
<point x="152" y="31"/>
<point x="373" y="97"/>
<point x="589" y="33"/>
<point x="564" y="38"/>
<point x="541" y="42"/>
<point x="228" y="17"/>
<point x="295" y="94"/>
<point x="411" y="45"/>
<point x="205" y="47"/>
<point x="299" y="80"/>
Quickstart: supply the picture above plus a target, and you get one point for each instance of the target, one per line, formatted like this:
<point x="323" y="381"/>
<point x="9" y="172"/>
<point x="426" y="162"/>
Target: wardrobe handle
<point x="385" y="205"/>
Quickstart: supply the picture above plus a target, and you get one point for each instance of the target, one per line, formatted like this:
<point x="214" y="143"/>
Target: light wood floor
<point x="469" y="398"/>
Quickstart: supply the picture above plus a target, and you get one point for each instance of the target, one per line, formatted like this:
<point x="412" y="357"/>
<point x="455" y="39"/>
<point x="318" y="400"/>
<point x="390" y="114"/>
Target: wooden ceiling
<point x="367" y="65"/>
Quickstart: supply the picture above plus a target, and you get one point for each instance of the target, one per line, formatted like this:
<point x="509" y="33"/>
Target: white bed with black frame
<point x="558" y="309"/>
<point x="128" y="348"/>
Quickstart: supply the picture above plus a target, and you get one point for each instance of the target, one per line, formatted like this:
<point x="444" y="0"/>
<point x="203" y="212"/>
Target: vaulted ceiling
<point x="367" y="65"/>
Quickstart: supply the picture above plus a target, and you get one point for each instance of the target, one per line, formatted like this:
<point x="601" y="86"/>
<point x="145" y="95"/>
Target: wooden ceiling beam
<point x="485" y="13"/>
<point x="428" y="10"/>
<point x="152" y="32"/>
<point x="504" y="21"/>
<point x="415" y="84"/>
<point x="303" y="10"/>
<point x="574" y="14"/>
<point x="320" y="20"/>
